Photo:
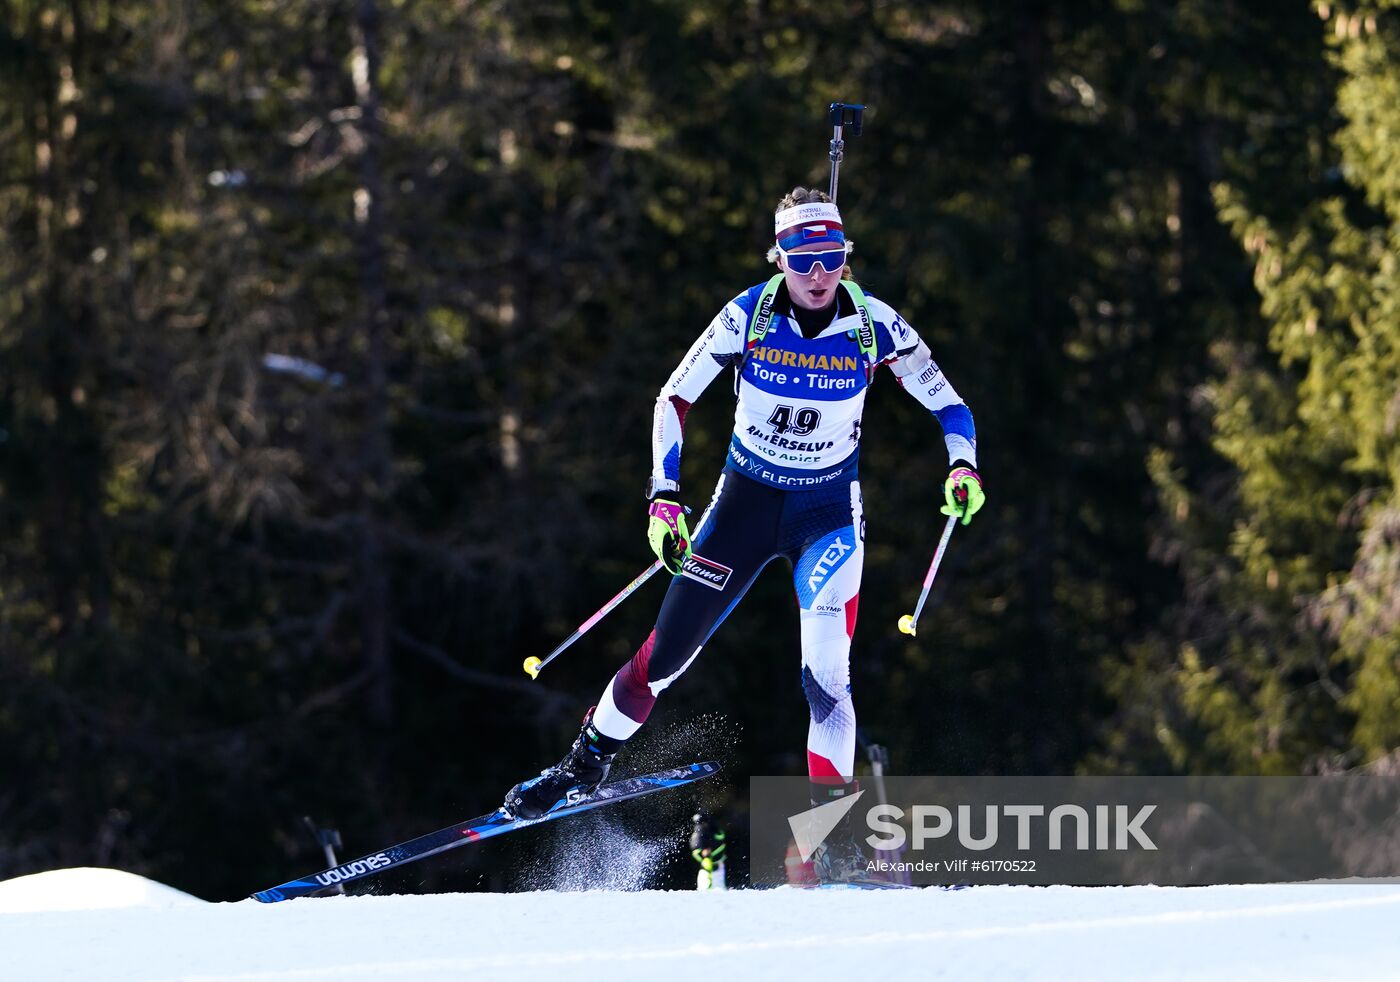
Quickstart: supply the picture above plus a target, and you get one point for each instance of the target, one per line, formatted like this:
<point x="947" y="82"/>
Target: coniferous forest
<point x="330" y="333"/>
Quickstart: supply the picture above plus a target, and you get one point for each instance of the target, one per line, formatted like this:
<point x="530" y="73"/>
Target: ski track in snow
<point x="1244" y="932"/>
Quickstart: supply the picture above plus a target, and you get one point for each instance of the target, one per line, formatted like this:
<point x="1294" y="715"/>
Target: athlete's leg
<point x="826" y="574"/>
<point x="739" y="531"/>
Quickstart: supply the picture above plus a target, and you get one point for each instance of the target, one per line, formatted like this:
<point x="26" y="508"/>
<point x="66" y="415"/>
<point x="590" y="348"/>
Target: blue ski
<point x="858" y="883"/>
<point x="496" y="823"/>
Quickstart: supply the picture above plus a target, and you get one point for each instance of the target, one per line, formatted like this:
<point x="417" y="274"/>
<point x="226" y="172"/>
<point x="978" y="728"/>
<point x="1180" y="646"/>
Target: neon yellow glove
<point x="667" y="533"/>
<point x="962" y="494"/>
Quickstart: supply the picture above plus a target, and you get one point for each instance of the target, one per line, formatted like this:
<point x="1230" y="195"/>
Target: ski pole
<point x="533" y="664"/>
<point x="842" y="115"/>
<point x="329" y="840"/>
<point x="909" y="622"/>
<point x="879" y="758"/>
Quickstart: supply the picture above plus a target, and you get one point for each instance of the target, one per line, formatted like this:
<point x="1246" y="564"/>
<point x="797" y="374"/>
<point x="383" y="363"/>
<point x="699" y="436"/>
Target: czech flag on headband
<point x="805" y="224"/>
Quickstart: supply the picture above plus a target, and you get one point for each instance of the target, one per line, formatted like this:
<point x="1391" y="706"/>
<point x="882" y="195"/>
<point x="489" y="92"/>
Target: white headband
<point x="810" y="223"/>
<point x="819" y="211"/>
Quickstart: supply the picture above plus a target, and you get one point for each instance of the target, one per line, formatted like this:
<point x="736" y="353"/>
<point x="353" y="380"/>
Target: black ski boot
<point x="839" y="859"/>
<point x="574" y="778"/>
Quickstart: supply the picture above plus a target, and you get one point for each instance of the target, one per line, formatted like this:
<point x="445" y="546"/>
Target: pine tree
<point x="1286" y="652"/>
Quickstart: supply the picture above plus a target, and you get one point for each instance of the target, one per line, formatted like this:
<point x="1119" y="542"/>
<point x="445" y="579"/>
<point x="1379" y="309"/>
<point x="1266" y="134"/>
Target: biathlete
<point x="805" y="346"/>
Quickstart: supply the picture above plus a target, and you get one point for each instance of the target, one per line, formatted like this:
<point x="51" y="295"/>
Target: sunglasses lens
<point x="801" y="263"/>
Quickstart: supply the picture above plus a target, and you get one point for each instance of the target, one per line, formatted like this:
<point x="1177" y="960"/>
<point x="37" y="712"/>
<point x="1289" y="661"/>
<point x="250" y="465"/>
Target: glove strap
<point x="956" y="478"/>
<point x="668" y="511"/>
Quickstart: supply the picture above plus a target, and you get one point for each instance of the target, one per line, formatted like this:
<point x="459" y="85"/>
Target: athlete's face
<point x="814" y="290"/>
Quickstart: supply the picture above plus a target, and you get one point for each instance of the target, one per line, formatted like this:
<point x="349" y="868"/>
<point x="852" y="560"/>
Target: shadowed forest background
<point x="330" y="332"/>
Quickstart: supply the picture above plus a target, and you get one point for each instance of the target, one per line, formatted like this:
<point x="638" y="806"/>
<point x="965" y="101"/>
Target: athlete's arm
<point x="912" y="363"/>
<point x="720" y="346"/>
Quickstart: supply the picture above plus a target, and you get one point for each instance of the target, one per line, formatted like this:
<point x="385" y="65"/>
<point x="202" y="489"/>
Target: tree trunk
<point x="376" y="467"/>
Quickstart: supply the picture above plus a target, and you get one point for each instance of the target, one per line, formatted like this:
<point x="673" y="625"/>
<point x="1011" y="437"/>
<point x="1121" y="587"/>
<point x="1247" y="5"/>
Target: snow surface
<point x="1242" y="932"/>
<point x="86" y="888"/>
